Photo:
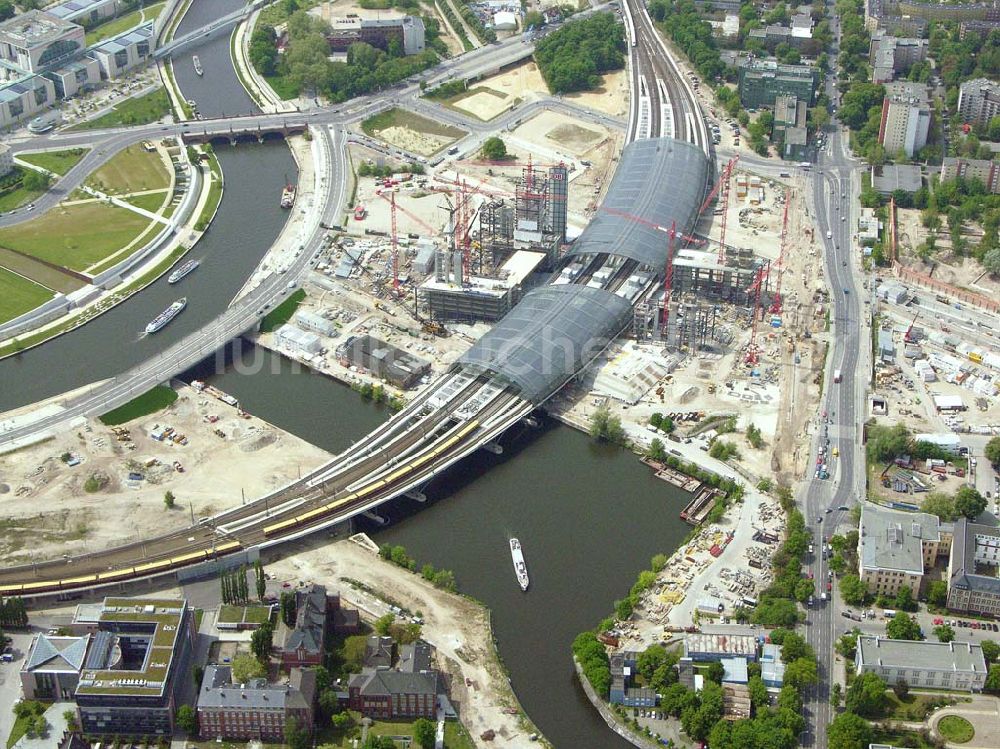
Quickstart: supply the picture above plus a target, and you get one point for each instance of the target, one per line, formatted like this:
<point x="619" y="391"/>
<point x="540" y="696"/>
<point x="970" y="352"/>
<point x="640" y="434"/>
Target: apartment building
<point x="978" y="101"/>
<point x="906" y="118"/>
<point x="895" y="548"/>
<point x="986" y="171"/>
<point x="973" y="567"/>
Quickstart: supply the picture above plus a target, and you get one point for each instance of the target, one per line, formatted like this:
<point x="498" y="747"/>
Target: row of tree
<point x="235" y="588"/>
<point x="13" y="612"/>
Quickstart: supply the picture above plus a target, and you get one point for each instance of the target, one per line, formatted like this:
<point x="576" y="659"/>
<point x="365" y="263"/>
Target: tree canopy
<point x="574" y="57"/>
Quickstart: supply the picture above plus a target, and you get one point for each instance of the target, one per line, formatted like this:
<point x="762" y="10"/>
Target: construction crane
<point x="753" y="352"/>
<point x="908" y="335"/>
<point x="431" y="231"/>
<point x="395" y="246"/>
<point x="727" y="173"/>
<point x="776" y="301"/>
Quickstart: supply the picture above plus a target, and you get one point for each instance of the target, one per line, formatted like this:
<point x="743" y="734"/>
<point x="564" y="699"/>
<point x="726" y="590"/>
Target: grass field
<point x="59" y="162"/>
<point x="20" y="726"/>
<point x="56" y="279"/>
<point x="282" y="86"/>
<point x="150" y="202"/>
<point x="282" y="313"/>
<point x="148" y="403"/>
<point x="956" y="729"/>
<point x="131" y="170"/>
<point x="401" y="118"/>
<point x="235" y="614"/>
<point x="19" y="295"/>
<point x="211" y="203"/>
<point x="139" y="110"/>
<point x="123" y="23"/>
<point x="76" y="236"/>
<point x="18" y="196"/>
<point x="455" y="735"/>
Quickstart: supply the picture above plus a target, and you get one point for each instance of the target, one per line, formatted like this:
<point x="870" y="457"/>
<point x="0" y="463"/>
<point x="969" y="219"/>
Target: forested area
<point x="574" y="57"/>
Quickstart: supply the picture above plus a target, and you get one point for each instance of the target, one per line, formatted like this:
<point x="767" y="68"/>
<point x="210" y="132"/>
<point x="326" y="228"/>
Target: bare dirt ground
<point x="963" y="272"/>
<point x="415" y="141"/>
<point x="458" y="629"/>
<point x="486" y="103"/>
<point x="43" y="492"/>
<point x="611" y="97"/>
<point x="523" y="82"/>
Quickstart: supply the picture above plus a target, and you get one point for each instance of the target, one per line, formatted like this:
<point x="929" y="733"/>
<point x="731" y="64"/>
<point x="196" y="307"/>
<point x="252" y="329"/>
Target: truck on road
<point x="837" y="376"/>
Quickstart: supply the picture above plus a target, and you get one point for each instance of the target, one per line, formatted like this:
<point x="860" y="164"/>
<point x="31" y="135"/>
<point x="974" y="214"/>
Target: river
<point x="589" y="518"/>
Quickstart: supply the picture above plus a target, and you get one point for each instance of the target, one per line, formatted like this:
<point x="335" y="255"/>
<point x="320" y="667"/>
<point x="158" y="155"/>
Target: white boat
<point x="166" y="316"/>
<point x="178" y="274"/>
<point x="197" y="65"/>
<point x="520" y="569"/>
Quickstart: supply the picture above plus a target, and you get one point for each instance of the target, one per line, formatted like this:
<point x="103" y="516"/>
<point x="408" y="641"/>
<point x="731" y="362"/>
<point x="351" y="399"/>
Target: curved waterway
<point x="248" y="221"/>
<point x="589" y="519"/>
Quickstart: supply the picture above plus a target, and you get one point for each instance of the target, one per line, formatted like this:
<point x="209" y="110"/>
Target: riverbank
<point x="457" y="627"/>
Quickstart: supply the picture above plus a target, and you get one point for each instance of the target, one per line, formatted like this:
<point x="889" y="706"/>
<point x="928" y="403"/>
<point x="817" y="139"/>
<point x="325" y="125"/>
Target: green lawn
<point x="20" y="726"/>
<point x="956" y="729"/>
<point x="59" y="162"/>
<point x="396" y="117"/>
<point x="123" y="23"/>
<point x="916" y="706"/>
<point x="139" y="110"/>
<point x="229" y="614"/>
<point x="282" y="313"/>
<point x="132" y="169"/>
<point x="150" y="202"/>
<point x="149" y="402"/>
<point x="56" y="279"/>
<point x="208" y="212"/>
<point x="18" y="196"/>
<point x="282" y="86"/>
<point x="76" y="236"/>
<point x="19" y="295"/>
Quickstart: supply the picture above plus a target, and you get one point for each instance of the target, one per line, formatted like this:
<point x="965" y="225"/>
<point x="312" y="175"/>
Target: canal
<point x="589" y="519"/>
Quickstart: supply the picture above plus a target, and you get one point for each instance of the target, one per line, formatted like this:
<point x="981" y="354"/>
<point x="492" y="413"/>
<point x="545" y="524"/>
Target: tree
<point x="849" y="731"/>
<point x="288" y="609"/>
<point x="533" y="18"/>
<point x="758" y="694"/>
<point x="969" y="502"/>
<point x="804" y="588"/>
<point x="866" y="695"/>
<point x="261" y="580"/>
<point x="342" y="721"/>
<point x="836" y="695"/>
<point x="903" y="627"/>
<point x="36" y="181"/>
<point x="992" y="451"/>
<point x="7" y="10"/>
<point x="901" y="688"/>
<point x="383" y="623"/>
<point x="940" y="504"/>
<point x="904" y="600"/>
<point x="70" y="717"/>
<point x="297" y="735"/>
<point x="261" y="641"/>
<point x="801" y="673"/>
<point x="944" y="633"/>
<point x="169" y="500"/>
<point x="649" y="660"/>
<point x="716" y="672"/>
<point x="853" y="590"/>
<point x="246" y="667"/>
<point x="607" y="427"/>
<point x="187" y="720"/>
<point x="657" y="450"/>
<point x="794" y="646"/>
<point x="425" y="733"/>
<point x="494" y="149"/>
<point x="991" y="263"/>
<point x="991" y="651"/>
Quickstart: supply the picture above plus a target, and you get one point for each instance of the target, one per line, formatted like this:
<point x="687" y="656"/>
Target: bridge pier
<point x="532" y="422"/>
<point x="371" y="515"/>
<point x="493" y="447"/>
<point x="416" y="496"/>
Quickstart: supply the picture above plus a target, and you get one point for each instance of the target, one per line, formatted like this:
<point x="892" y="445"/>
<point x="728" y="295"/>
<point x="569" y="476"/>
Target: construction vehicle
<point x="436" y="328"/>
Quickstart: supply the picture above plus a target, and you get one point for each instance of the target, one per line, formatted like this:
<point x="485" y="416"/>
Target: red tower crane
<point x="395" y="245"/>
<point x="668" y="274"/>
<point x="727" y="173"/>
<point x="776" y="302"/>
<point x="753" y="353"/>
<point x="908" y="335"/>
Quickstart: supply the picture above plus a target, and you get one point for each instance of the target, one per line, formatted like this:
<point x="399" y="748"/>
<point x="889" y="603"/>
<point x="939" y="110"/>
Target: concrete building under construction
<point x="450" y="295"/>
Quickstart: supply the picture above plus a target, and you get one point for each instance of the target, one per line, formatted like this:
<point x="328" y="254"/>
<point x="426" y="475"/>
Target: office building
<point x="35" y="41"/>
<point x="762" y="81"/>
<point x="957" y="666"/>
<point x="125" y="52"/>
<point x="378" y="32"/>
<point x="906" y="118"/>
<point x="986" y="171"/>
<point x="978" y="101"/>
<point x="51" y="670"/>
<point x="87" y="13"/>
<point x="383" y="360"/>
<point x="623" y="691"/>
<point x="973" y="581"/>
<point x="257" y="710"/>
<point x="896" y="547"/>
<point x="136" y="669"/>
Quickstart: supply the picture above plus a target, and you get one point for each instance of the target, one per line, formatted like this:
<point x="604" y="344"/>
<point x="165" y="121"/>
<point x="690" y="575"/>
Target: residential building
<point x="981" y="29"/>
<point x="986" y="171"/>
<point x="728" y="28"/>
<point x="378" y="652"/>
<point x="890" y="55"/>
<point x="762" y="81"/>
<point x="413" y="689"/>
<point x="124" y="52"/>
<point x="973" y="582"/>
<point x="802" y="25"/>
<point x="378" y="32"/>
<point x="302" y="645"/>
<point x="896" y="547"/>
<point x="51" y="671"/>
<point x="706" y="647"/>
<point x="978" y="101"/>
<point x="906" y="118"/>
<point x="34" y="41"/>
<point x="892" y="177"/>
<point x="137" y="667"/>
<point x="958" y="666"/>
<point x="256" y="711"/>
<point x="622" y="690"/>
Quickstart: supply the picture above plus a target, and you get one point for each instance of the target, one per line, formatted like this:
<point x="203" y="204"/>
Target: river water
<point x="589" y="518"/>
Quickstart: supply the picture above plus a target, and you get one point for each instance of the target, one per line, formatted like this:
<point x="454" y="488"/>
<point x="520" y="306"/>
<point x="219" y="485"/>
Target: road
<point x="835" y="196"/>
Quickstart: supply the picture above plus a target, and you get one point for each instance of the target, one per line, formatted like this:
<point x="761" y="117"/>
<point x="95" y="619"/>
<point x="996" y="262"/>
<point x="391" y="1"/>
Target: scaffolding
<point x="496" y="231"/>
